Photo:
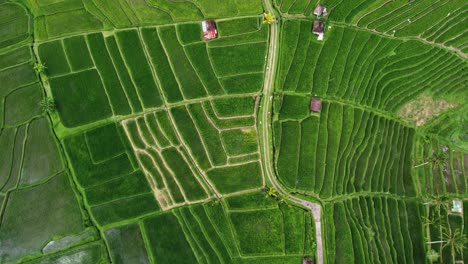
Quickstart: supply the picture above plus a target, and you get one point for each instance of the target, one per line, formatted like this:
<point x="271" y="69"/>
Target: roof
<point x="457" y="206"/>
<point x="315" y="104"/>
<point x="320" y="10"/>
<point x="209" y="30"/>
<point x="318" y="27"/>
<point x="308" y="261"/>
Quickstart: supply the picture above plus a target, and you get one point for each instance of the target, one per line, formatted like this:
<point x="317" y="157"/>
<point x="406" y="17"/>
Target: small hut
<point x="320" y="10"/>
<point x="457" y="207"/>
<point x="317" y="29"/>
<point x="209" y="30"/>
<point x="315" y="104"/>
<point x="307" y="261"/>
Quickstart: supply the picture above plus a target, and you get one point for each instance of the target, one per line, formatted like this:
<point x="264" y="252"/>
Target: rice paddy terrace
<point x="131" y="132"/>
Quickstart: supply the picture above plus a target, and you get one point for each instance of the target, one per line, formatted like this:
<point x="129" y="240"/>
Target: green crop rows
<point x="125" y="137"/>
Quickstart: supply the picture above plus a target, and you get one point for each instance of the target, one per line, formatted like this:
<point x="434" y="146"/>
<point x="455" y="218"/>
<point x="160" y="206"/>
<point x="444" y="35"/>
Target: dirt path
<point x="266" y="140"/>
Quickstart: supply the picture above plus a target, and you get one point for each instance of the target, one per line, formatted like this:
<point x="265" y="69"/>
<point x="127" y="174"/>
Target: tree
<point x="432" y="256"/>
<point x="47" y="105"/>
<point x="268" y="18"/>
<point x="39" y="67"/>
<point x="438" y="158"/>
<point x="456" y="240"/>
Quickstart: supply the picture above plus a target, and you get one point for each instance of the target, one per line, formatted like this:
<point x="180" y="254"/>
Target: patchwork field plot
<point x="54" y="18"/>
<point x="134" y="70"/>
<point x="14" y="24"/>
<point x="40" y="211"/>
<point x="365" y="230"/>
<point x="215" y="234"/>
<point x="443" y="224"/>
<point x="441" y="23"/>
<point x="366" y="69"/>
<point x="337" y="153"/>
<point x="187" y="156"/>
<point x="440" y="169"/>
<point x="131" y="132"/>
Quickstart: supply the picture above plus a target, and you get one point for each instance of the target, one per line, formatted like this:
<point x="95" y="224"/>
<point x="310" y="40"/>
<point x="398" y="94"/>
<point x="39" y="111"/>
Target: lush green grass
<point x="233" y="122"/>
<point x="212" y="235"/>
<point x="86" y="171"/>
<point x="251" y="201"/>
<point x="159" y="59"/>
<point x="188" y="131"/>
<point x="255" y="36"/>
<point x="119" y="188"/>
<point x="236" y="106"/>
<point x="137" y="63"/>
<point x="190" y="84"/>
<point x="78" y="53"/>
<point x="259" y="232"/>
<point x="164" y="235"/>
<point x="189" y="33"/>
<point x="186" y="177"/>
<point x="114" y="90"/>
<point x="294" y="229"/>
<point x="339" y="153"/>
<point x="126" y="244"/>
<point x="41" y="154"/>
<point x="365" y="232"/>
<point x="238" y="59"/>
<point x="80" y="98"/>
<point x="209" y="135"/>
<point x="11" y="142"/>
<point x="22" y="105"/>
<point x="123" y="74"/>
<point x="287" y="163"/>
<point x="240" y="141"/>
<point x="294" y="107"/>
<point x="17" y="76"/>
<point x="236" y="178"/>
<point x="14" y="24"/>
<point x="124" y="209"/>
<point x="198" y="56"/>
<point x="79" y="20"/>
<point x="103" y="143"/>
<point x="15" y="57"/>
<point x="244" y="83"/>
<point x="238" y="26"/>
<point x="53" y="56"/>
<point x="33" y="216"/>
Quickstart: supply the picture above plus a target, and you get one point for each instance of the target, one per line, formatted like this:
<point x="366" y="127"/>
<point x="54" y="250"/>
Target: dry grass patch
<point x="424" y="108"/>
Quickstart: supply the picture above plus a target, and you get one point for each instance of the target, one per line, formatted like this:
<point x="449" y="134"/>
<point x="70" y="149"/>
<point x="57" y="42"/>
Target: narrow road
<point x="266" y="139"/>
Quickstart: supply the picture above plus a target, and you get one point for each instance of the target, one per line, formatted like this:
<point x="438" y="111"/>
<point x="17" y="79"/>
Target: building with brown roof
<point x="318" y="28"/>
<point x="307" y="261"/>
<point x="315" y="104"/>
<point x="209" y="30"/>
<point x="320" y="10"/>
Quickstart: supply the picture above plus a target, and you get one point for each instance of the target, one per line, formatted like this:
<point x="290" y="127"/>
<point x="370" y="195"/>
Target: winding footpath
<point x="266" y="139"/>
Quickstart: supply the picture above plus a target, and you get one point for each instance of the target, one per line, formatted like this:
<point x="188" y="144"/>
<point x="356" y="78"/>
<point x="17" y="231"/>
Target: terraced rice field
<point x="126" y="137"/>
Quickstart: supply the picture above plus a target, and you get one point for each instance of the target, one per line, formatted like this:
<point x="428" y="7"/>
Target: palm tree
<point x="456" y="240"/>
<point x="39" y="67"/>
<point x="432" y="256"/>
<point x="268" y="18"/>
<point x="438" y="159"/>
<point x="47" y="105"/>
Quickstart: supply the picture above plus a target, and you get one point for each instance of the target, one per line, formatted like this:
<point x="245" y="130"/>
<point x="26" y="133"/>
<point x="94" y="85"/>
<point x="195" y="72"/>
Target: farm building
<point x="320" y="10"/>
<point x="209" y="30"/>
<point x="318" y="29"/>
<point x="308" y="261"/>
<point x="315" y="104"/>
<point x="457" y="207"/>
